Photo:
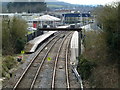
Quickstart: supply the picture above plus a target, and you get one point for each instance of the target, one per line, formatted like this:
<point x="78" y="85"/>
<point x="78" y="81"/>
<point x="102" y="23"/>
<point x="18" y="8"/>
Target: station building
<point x="70" y="18"/>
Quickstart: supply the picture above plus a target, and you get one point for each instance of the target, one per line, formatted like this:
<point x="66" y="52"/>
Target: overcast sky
<point x="89" y="2"/>
<point x="84" y="2"/>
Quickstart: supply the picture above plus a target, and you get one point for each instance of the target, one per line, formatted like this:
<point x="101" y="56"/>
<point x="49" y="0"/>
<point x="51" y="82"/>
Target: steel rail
<point x="66" y="65"/>
<point x="41" y="64"/>
<point x="56" y="60"/>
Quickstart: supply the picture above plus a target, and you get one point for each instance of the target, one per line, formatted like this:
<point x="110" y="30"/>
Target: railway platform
<point x="33" y="44"/>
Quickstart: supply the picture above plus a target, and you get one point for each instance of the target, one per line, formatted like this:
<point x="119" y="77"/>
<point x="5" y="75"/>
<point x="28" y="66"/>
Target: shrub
<point x="86" y="67"/>
<point x="13" y="35"/>
<point x="20" y="45"/>
<point x="110" y="24"/>
<point x="8" y="63"/>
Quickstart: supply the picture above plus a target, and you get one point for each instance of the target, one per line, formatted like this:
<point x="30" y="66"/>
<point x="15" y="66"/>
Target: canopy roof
<point x="46" y="18"/>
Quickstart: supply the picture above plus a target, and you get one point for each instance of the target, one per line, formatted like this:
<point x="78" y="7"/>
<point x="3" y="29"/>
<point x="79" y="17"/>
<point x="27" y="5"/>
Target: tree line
<point x="30" y="7"/>
<point x="108" y="18"/>
<point x="99" y="64"/>
<point x="13" y="35"/>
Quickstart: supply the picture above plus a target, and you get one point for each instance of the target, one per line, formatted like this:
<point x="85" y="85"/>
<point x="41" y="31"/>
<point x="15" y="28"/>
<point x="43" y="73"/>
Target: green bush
<point x="86" y="67"/>
<point x="111" y="25"/>
<point x="8" y="63"/>
<point x="13" y="35"/>
<point x="20" y="45"/>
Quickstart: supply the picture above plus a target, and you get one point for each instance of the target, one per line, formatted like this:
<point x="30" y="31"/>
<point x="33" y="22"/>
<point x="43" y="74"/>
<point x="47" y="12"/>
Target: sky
<point x="84" y="2"/>
<point x="89" y="2"/>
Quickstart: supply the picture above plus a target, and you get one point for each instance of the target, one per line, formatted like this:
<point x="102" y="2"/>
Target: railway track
<point x="61" y="66"/>
<point x="31" y="78"/>
<point x="44" y="79"/>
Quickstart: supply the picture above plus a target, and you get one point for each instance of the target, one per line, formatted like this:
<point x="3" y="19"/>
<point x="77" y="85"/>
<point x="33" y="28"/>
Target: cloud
<point x="84" y="2"/>
<point x="22" y="0"/>
<point x="87" y="2"/>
